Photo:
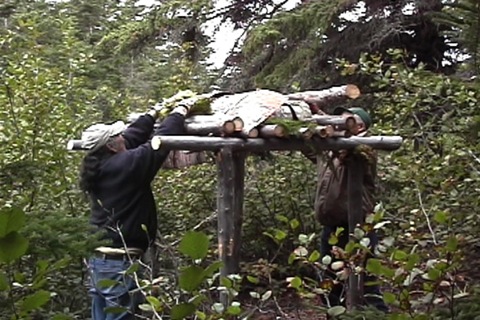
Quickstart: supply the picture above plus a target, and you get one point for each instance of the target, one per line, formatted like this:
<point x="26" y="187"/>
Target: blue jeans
<point x="372" y="292"/>
<point x="117" y="295"/>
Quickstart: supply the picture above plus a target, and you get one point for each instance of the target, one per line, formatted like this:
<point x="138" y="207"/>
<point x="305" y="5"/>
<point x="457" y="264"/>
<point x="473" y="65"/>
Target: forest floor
<point x="291" y="307"/>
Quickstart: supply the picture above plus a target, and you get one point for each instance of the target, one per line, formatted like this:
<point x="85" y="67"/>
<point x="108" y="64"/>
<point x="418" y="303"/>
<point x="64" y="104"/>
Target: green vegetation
<point x="66" y="65"/>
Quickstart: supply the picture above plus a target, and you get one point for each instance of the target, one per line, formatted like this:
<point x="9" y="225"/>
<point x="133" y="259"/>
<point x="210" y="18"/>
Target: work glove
<point x="160" y="111"/>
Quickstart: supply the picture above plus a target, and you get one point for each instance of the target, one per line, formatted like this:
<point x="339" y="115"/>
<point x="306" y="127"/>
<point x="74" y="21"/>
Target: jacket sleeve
<point x="138" y="132"/>
<point x="144" y="162"/>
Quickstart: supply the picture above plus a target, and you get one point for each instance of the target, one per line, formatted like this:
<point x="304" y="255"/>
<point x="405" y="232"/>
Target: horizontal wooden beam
<point x="195" y="143"/>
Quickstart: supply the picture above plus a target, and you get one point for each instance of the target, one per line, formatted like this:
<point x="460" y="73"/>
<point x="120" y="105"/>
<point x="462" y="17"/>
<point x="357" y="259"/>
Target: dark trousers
<point x="372" y="293"/>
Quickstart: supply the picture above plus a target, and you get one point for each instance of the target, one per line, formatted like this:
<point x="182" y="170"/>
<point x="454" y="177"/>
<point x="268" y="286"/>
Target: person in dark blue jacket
<point x="116" y="174"/>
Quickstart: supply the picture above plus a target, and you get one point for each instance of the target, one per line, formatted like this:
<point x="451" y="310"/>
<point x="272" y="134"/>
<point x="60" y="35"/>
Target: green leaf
<point x="303" y="238"/>
<point x="61" y="317"/>
<point x="35" y="301"/>
<point x="234" y="310"/>
<point x="226" y="282"/>
<point x="114" y="310"/>
<point x="4" y="285"/>
<point x="280" y="234"/>
<point x="400" y="255"/>
<point x="181" y="311"/>
<point x="194" y="245"/>
<point x="294" y="224"/>
<point x="332" y="240"/>
<point x="291" y="258"/>
<point x="157" y="305"/>
<point x="133" y="268"/>
<point x="212" y="268"/>
<point x="336" y="311"/>
<point x="434" y="274"/>
<point x="267" y="295"/>
<point x="200" y="315"/>
<point x="12" y="247"/>
<point x="295" y="282"/>
<point x="452" y="244"/>
<point x="389" y="297"/>
<point x="413" y="260"/>
<point x="107" y="283"/>
<point x="253" y="279"/>
<point x="281" y="218"/>
<point x="339" y="230"/>
<point x="191" y="278"/>
<point x="440" y="217"/>
<point x="11" y="220"/>
<point x="314" y="256"/>
<point x="218" y="307"/>
<point x="374" y="266"/>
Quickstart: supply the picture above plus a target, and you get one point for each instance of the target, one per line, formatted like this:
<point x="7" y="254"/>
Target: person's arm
<point x="139" y="131"/>
<point x="143" y="161"/>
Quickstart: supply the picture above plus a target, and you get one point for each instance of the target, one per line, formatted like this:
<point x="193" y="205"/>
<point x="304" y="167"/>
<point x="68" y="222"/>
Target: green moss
<point x="291" y="127"/>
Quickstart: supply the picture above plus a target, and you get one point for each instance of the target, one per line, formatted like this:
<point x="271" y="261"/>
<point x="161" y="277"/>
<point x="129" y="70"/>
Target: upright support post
<point x="231" y="169"/>
<point x="239" y="184"/>
<point x="355" y="216"/>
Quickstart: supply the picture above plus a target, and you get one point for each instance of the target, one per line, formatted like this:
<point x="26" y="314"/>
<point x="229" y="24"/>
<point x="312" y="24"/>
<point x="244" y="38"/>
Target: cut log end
<point x="253" y="133"/>
<point x="70" y="145"/>
<point x="324" y="131"/>
<point x="351" y="123"/>
<point x="228" y="127"/>
<point x="238" y="122"/>
<point x="272" y="131"/>
<point x="306" y="133"/>
<point x="156" y="142"/>
<point x="352" y="91"/>
<point x="74" y="145"/>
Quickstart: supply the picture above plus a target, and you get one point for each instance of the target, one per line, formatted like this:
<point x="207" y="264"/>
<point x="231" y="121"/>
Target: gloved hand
<point x="156" y="111"/>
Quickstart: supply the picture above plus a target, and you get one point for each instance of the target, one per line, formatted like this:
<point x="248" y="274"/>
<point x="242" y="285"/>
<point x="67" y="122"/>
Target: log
<point x="344" y="134"/>
<point x="252" y="133"/>
<point x="272" y="131"/>
<point x="225" y="207"/>
<point x="339" y="123"/>
<point x="206" y="128"/>
<point x="74" y="145"/>
<point x="209" y="124"/>
<point x="330" y="96"/>
<point x="215" y="143"/>
<point x="238" y="122"/>
<point x="355" y="171"/>
<point x="324" y="131"/>
<point x="306" y="133"/>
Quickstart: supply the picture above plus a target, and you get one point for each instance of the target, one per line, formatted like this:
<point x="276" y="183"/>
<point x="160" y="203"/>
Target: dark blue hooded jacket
<point x="123" y="201"/>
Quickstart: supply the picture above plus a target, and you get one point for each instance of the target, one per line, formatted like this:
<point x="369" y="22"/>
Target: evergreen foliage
<point x="66" y="65"/>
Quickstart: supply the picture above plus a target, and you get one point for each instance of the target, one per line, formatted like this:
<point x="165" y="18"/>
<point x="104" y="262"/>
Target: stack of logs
<point x="321" y="125"/>
<point x="324" y="126"/>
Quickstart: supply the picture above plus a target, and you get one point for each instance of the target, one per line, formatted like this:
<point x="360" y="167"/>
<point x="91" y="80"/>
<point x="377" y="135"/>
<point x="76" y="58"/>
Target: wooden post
<point x="225" y="204"/>
<point x="238" y="195"/>
<point x="355" y="171"/>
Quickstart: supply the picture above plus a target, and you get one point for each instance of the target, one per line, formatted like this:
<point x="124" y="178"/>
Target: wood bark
<point x="209" y="125"/>
<point x="238" y="122"/>
<point x="272" y="131"/>
<point x="225" y="207"/>
<point x="324" y="131"/>
<point x="344" y="134"/>
<point x="239" y="189"/>
<point x="215" y="143"/>
<point x="306" y="133"/>
<point x="355" y="169"/>
<point x="326" y="97"/>
<point x="338" y="123"/>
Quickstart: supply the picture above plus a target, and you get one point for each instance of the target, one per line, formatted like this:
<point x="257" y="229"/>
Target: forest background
<point x="65" y="65"/>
